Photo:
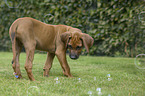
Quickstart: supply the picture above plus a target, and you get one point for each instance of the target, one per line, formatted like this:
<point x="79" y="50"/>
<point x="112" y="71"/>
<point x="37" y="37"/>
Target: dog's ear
<point x="87" y="41"/>
<point x="65" y="37"/>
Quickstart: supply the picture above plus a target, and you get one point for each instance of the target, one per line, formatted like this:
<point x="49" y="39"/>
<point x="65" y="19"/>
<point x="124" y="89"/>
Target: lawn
<point x="90" y="73"/>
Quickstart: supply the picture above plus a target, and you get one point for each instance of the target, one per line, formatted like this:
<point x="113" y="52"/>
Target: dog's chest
<point x="46" y="44"/>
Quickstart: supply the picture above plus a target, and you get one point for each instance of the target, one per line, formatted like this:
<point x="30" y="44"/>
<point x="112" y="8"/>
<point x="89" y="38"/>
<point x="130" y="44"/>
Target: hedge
<point x="117" y="26"/>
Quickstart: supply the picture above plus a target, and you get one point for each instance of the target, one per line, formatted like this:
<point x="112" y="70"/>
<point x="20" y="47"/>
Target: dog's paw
<point x="70" y="76"/>
<point x="45" y="75"/>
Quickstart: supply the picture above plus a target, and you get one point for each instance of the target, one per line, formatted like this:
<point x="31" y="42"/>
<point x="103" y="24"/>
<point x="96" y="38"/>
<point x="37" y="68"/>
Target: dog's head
<point x="75" y="41"/>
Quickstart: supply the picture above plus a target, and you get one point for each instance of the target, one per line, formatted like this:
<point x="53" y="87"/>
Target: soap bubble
<point x="140" y="61"/>
<point x="141" y="16"/>
<point x="79" y="79"/>
<point x="13" y="4"/>
<point x="94" y="78"/>
<point x="99" y="91"/>
<point x="109" y="79"/>
<point x="57" y="80"/>
<point x="17" y="76"/>
<point x="90" y="93"/>
<point x="33" y="91"/>
<point x="108" y="75"/>
<point x="48" y="17"/>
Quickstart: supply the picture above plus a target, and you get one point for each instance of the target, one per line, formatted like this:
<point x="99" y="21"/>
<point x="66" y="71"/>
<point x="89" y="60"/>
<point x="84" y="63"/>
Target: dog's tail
<point x="12" y="33"/>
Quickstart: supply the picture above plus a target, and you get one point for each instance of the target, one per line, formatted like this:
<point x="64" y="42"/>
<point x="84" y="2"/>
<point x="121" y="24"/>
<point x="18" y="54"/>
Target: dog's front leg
<point x="48" y="64"/>
<point x="61" y="55"/>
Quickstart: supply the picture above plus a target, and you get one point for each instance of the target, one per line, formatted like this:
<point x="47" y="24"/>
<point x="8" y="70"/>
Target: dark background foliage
<point x="117" y="26"/>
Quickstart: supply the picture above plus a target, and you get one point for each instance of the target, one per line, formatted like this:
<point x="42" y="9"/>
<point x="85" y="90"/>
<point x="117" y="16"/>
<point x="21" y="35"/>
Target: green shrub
<point x="114" y="24"/>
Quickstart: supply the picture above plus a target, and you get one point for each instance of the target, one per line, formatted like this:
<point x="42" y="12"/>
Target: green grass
<point x="127" y="80"/>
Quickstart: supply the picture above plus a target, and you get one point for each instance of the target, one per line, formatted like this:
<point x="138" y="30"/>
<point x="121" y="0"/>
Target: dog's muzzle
<point x="73" y="56"/>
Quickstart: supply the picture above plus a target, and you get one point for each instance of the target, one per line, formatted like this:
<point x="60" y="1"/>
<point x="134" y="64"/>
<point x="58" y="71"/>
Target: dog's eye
<point x="78" y="47"/>
<point x="69" y="46"/>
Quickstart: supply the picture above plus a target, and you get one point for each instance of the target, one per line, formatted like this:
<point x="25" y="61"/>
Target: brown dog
<point x="55" y="39"/>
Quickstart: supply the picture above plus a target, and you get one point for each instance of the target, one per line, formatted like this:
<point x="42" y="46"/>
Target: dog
<point x="54" y="39"/>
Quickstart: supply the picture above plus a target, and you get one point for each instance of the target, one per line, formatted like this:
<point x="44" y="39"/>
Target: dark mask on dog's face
<point x="74" y="42"/>
<point x="75" y="46"/>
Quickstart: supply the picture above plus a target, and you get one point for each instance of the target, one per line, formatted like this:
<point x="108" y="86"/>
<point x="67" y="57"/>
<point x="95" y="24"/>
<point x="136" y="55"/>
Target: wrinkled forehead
<point x="75" y="39"/>
<point x="75" y="43"/>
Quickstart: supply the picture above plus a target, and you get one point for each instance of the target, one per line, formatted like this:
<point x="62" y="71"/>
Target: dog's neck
<point x="74" y="30"/>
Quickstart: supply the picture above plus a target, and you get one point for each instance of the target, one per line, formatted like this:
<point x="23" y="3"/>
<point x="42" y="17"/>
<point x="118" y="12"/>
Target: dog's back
<point x="29" y="28"/>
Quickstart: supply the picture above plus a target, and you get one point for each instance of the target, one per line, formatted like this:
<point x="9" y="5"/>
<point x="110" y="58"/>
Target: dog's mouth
<point x="74" y="57"/>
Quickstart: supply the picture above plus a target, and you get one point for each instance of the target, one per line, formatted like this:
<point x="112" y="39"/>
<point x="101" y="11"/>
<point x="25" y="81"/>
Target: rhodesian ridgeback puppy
<point x="55" y="39"/>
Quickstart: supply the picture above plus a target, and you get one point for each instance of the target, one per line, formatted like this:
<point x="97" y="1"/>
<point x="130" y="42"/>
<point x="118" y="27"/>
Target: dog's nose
<point x="73" y="56"/>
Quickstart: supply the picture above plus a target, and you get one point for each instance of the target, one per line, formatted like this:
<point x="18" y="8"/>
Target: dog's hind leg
<point x="48" y="64"/>
<point x="16" y="47"/>
<point x="30" y="49"/>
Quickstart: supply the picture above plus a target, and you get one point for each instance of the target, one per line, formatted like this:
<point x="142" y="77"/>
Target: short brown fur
<point x="33" y="34"/>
